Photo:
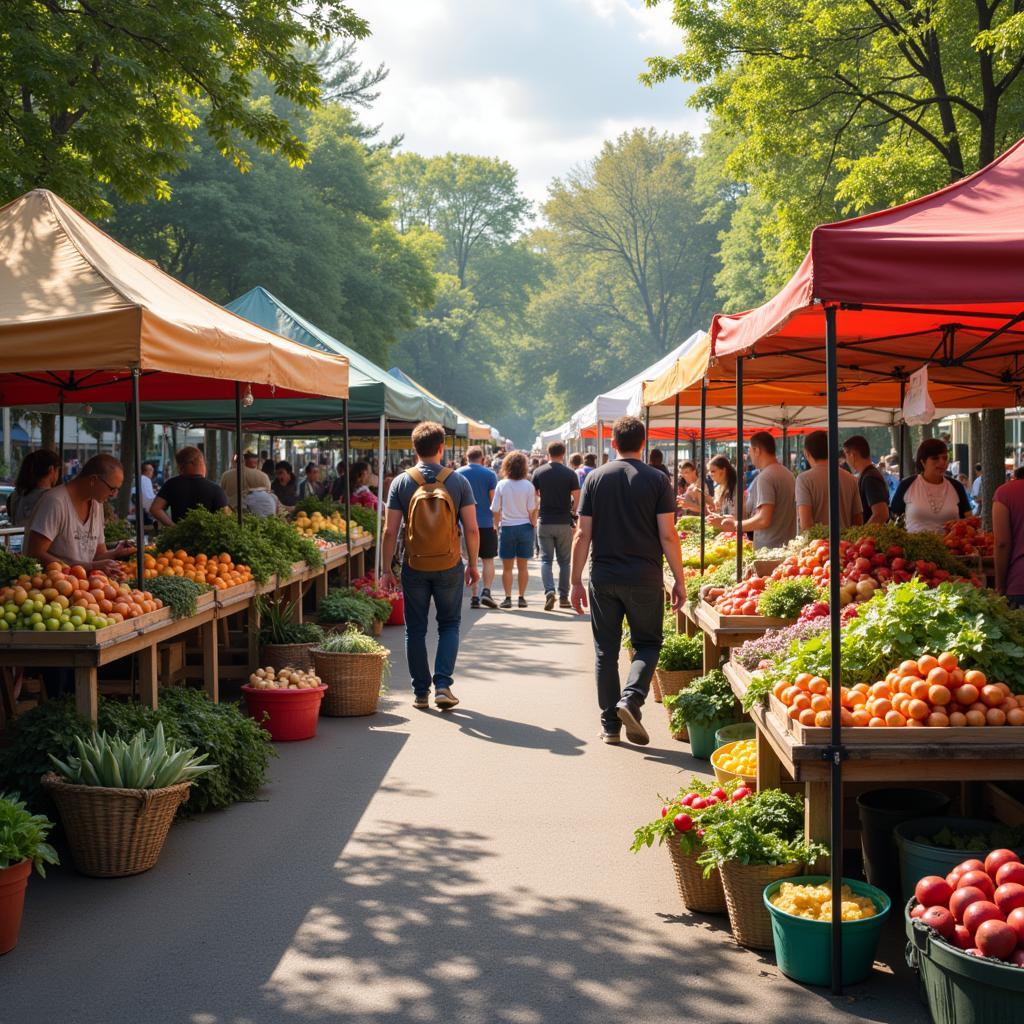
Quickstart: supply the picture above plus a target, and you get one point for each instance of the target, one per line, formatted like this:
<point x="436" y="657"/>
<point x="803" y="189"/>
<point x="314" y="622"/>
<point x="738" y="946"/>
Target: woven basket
<point x="744" y="886"/>
<point x="655" y="687"/>
<point x="115" y="832"/>
<point x="701" y="895"/>
<point x="287" y="656"/>
<point x="353" y="682"/>
<point x="674" y="682"/>
<point x="378" y="627"/>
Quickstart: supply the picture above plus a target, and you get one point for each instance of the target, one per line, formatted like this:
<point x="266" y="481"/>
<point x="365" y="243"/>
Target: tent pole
<point x="740" y="469"/>
<point x="903" y="430"/>
<point x="140" y="529"/>
<point x="835" y="750"/>
<point x="785" y="443"/>
<point x="647" y="429"/>
<point x="675" y="458"/>
<point x="380" y="503"/>
<point x="238" y="449"/>
<point x="703" y="464"/>
<point x="348" y="494"/>
<point x="60" y="433"/>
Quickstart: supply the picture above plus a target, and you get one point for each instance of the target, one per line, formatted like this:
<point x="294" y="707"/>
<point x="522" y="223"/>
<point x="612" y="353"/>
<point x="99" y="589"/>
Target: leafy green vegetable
<point x="23" y="835"/>
<point x="663" y="830"/>
<point x="178" y="593"/>
<point x="351" y="641"/>
<point x="348" y="605"/>
<point x="12" y="566"/>
<point x="1001" y="836"/>
<point x="680" y="653"/>
<point x="706" y="700"/>
<point x="116" y="530"/>
<point x="784" y="599"/>
<point x="331" y="536"/>
<point x="366" y="518"/>
<point x="278" y="625"/>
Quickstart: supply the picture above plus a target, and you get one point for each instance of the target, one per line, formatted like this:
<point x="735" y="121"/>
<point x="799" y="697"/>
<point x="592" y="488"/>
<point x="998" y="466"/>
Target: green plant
<point x="706" y="700"/>
<point x="23" y="835"/>
<point x="12" y="566"/>
<point x="331" y="536"/>
<point x="784" y="599"/>
<point x="718" y="576"/>
<point x="366" y="518"/>
<point x="178" y="593"/>
<point x="140" y="763"/>
<point x="283" y="537"/>
<point x="346" y="605"/>
<point x="278" y="625"/>
<point x="116" y="530"/>
<point x="381" y="606"/>
<point x="681" y="653"/>
<point x="663" y="828"/>
<point x="311" y="504"/>
<point x="351" y="641"/>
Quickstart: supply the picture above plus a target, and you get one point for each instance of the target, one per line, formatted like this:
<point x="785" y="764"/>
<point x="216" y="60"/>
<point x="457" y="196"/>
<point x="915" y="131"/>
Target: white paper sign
<point x="918" y="407"/>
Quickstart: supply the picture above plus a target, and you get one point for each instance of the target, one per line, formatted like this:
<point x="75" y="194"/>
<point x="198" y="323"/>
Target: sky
<point x="539" y="83"/>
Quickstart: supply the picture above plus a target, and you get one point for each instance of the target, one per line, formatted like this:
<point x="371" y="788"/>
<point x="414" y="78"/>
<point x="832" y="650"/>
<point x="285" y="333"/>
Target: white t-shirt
<point x="56" y="518"/>
<point x="930" y="506"/>
<point x="148" y="494"/>
<point x="514" y="500"/>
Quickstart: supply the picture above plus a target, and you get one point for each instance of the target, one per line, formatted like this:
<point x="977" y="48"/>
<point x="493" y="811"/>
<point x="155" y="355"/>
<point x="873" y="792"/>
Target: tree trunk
<point x="211" y="452"/>
<point x="48" y="431"/>
<point x="993" y="459"/>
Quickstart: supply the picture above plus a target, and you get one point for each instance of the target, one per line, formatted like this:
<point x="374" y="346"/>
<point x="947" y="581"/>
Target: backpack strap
<point x="443" y="475"/>
<point x="420" y="479"/>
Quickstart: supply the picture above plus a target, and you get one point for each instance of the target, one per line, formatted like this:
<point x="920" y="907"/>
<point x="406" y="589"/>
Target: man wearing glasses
<point x="67" y="524"/>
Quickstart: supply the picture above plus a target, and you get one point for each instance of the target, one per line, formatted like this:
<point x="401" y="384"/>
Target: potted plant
<point x="701" y="710"/>
<point x="680" y="827"/>
<point x="679" y="663"/>
<point x="351" y="665"/>
<point x="758" y="841"/>
<point x="285" y="643"/>
<point x="22" y="846"/>
<point x="343" y="607"/>
<point x="117" y="798"/>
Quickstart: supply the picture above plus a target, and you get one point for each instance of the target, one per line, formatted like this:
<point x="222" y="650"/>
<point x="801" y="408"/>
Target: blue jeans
<point x="445" y="587"/>
<point x="555" y="542"/>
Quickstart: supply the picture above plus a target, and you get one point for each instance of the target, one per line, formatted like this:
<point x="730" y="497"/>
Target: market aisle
<point x="471" y="868"/>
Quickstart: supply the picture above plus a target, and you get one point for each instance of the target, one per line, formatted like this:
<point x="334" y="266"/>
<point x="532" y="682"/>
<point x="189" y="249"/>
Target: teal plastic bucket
<point x="739" y="731"/>
<point x="918" y="859"/>
<point x="803" y="948"/>
<point x="702" y="736"/>
<point x="962" y="989"/>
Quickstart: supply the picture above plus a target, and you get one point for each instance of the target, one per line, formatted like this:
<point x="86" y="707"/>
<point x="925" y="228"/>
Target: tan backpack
<point x="431" y="525"/>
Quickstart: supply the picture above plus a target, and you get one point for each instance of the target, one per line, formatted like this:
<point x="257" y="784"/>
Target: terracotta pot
<point x="13" y="881"/>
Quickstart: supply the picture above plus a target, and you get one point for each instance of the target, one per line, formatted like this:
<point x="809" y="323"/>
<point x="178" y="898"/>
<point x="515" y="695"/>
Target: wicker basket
<point x="655" y="687"/>
<point x="701" y="895"/>
<point x="115" y="832"/>
<point x="353" y="682"/>
<point x="744" y="886"/>
<point x="673" y="682"/>
<point x="279" y="656"/>
<point x="378" y="627"/>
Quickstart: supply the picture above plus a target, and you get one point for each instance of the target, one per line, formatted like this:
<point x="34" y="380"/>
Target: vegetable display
<point x="739" y="758"/>
<point x="178" y="594"/>
<point x="365" y="519"/>
<point x="217" y="570"/>
<point x="717" y="576"/>
<point x="270" y="678"/>
<point x="317" y="522"/>
<point x="13" y="566"/>
<point x="351" y="641"/>
<point x="966" y="539"/>
<point x="345" y="604"/>
<point x="759" y="652"/>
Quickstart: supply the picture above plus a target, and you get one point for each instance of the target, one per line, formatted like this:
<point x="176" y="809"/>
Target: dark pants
<point x="644" y="609"/>
<point x="445" y="587"/>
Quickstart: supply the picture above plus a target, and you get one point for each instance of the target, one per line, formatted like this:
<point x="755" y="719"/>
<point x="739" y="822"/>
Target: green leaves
<point x="178" y="593"/>
<point x="706" y="700"/>
<point x="680" y="652"/>
<point x="23" y="835"/>
<point x="784" y="599"/>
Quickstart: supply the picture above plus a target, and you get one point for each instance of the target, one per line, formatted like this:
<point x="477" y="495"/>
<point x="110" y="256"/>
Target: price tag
<point x="918" y="407"/>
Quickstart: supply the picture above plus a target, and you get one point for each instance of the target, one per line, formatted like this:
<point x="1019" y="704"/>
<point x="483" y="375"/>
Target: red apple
<point x="997" y="858"/>
<point x="941" y="920"/>
<point x="995" y="938"/>
<point x="979" y="880"/>
<point x="962" y="937"/>
<point x="1009" y="896"/>
<point x="978" y="913"/>
<point x="1010" y="872"/>
<point x="1015" y="918"/>
<point x="962" y="899"/>
<point x="933" y="891"/>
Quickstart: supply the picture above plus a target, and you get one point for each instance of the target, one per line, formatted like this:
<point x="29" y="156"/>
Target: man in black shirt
<point x="558" y="489"/>
<point x="627" y="516"/>
<point x="189" y="489"/>
<point x="874" y="491"/>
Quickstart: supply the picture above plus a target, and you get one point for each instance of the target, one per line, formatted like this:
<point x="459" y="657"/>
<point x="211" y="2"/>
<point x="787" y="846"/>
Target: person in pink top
<point x="1008" y="528"/>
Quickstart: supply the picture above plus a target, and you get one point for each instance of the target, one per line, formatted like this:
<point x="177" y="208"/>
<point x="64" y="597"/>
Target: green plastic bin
<point x="730" y="733"/>
<point x="919" y="859"/>
<point x="962" y="989"/>
<point x="803" y="947"/>
<point x="702" y="736"/>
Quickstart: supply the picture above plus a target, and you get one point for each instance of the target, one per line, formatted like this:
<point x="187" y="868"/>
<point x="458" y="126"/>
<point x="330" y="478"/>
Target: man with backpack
<point x="431" y="500"/>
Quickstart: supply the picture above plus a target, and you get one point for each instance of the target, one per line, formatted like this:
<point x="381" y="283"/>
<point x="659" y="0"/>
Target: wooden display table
<point x="724" y="631"/>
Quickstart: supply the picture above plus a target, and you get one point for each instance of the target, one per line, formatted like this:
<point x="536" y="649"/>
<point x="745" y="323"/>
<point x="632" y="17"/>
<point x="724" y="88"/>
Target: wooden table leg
<point x="254" y="637"/>
<point x="320" y="587"/>
<point x="86" y="698"/>
<point x="769" y="767"/>
<point x="818" y="819"/>
<point x="148" y="676"/>
<point x="689" y="626"/>
<point x="211" y="670"/>
<point x="712" y="653"/>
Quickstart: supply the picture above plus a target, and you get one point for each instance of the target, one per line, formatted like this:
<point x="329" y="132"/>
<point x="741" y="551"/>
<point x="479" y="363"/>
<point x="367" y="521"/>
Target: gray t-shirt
<point x="23" y="505"/>
<point x="774" y="485"/>
<point x="812" y="490"/>
<point x="403" y="487"/>
<point x="56" y="518"/>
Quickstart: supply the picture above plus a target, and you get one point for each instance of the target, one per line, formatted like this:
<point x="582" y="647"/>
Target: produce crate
<point x="739" y="676"/>
<point x="729" y="622"/>
<point x="242" y="593"/>
<point x="22" y="638"/>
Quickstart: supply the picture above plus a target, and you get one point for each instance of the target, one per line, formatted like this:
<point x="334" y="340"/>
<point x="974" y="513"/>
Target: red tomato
<point x="933" y="891"/>
<point x="969" y="865"/>
<point x="962" y="899"/>
<point x="1009" y="896"/>
<point x="962" y="937"/>
<point x="995" y="938"/>
<point x="978" y="913"/>
<point x="979" y="880"/>
<point x="941" y="920"/>
<point x="1016" y="920"/>
<point x="682" y="822"/>
<point x="997" y="858"/>
<point x="1013" y="871"/>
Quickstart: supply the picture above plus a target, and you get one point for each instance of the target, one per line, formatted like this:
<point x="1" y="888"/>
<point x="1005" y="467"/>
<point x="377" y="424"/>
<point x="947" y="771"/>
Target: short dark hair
<point x="929" y="448"/>
<point x="977" y="467"/>
<point x="474" y="454"/>
<point x="628" y="434"/>
<point x="858" y="444"/>
<point x="575" y="460"/>
<point x="590" y="459"/>
<point x="816" y="445"/>
<point x="656" y="458"/>
<point x="556" y="450"/>
<point x="428" y="438"/>
<point x="763" y="440"/>
<point x="183" y="457"/>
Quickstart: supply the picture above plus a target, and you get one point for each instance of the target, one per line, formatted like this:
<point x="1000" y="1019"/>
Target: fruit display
<point x="773" y="598"/>
<point x="719" y="546"/>
<point x="931" y="692"/>
<point x="284" y="679"/>
<point x="815" y="902"/>
<point x="966" y="539"/>
<point x="309" y="525"/>
<point x="217" y="570"/>
<point x="740" y="758"/>
<point x="70" y="600"/>
<point x="978" y="907"/>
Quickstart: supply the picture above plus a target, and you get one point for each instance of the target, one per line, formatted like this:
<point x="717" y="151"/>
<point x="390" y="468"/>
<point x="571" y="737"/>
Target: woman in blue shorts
<point x="515" y="508"/>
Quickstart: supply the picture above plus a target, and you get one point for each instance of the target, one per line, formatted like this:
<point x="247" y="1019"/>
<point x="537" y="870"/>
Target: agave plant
<point x="139" y="763"/>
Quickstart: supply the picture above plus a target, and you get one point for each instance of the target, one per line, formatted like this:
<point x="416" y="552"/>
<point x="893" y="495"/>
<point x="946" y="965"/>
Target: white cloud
<point x="540" y="83"/>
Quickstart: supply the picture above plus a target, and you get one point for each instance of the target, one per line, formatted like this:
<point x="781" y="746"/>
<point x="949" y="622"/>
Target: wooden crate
<point x="726" y="623"/>
<point x="28" y="638"/>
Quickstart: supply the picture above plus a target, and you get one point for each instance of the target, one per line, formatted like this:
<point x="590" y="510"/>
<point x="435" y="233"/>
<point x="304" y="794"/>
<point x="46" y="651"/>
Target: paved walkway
<point x="414" y="867"/>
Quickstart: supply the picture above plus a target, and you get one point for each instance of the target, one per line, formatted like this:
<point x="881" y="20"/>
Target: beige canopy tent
<point x="79" y="312"/>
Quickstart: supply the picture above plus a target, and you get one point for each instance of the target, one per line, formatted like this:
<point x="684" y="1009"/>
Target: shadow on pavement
<point x="514" y="734"/>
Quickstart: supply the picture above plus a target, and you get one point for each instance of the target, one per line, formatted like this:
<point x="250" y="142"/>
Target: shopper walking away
<point x="483" y="481"/>
<point x="627" y="516"/>
<point x="812" y="488"/>
<point x="431" y="500"/>
<point x="558" y="490"/>
<point x="873" y="487"/>
<point x="771" y="498"/>
<point x="515" y="505"/>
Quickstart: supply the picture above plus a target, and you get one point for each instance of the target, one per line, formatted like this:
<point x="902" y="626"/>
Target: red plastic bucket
<point x="397" y="611"/>
<point x="291" y="714"/>
<point x="13" y="881"/>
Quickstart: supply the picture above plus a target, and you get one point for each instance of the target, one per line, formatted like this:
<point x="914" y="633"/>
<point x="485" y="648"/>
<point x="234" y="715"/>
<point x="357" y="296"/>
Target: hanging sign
<point x="918" y="407"/>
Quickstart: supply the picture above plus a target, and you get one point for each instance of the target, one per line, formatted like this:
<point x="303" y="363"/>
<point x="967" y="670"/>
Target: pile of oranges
<point x="216" y="570"/>
<point x="931" y="691"/>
